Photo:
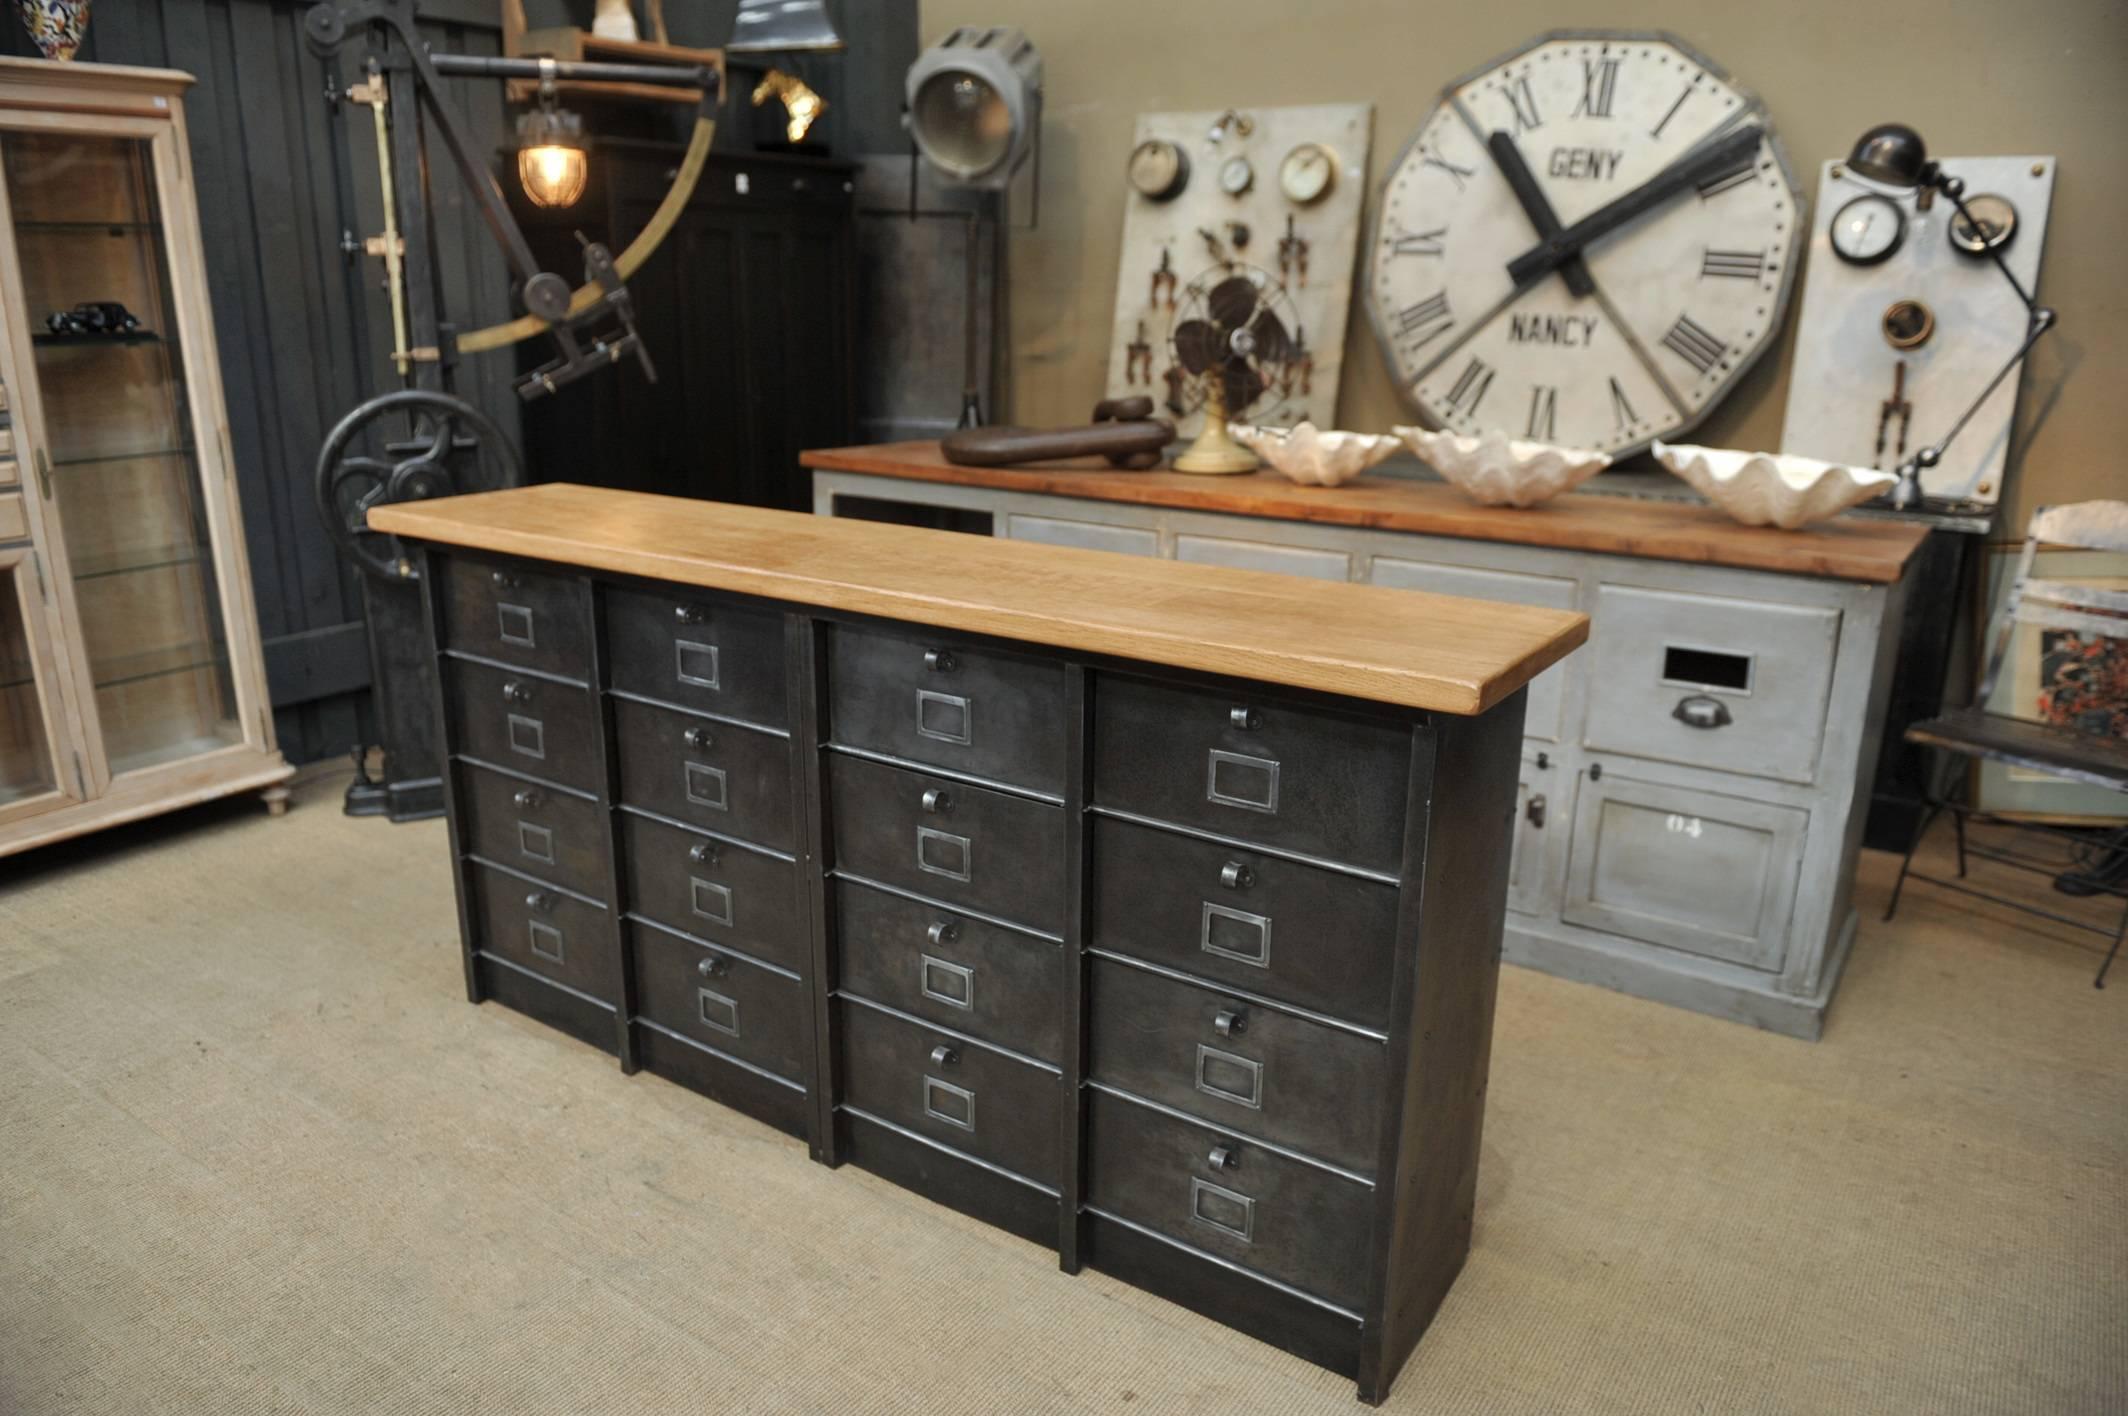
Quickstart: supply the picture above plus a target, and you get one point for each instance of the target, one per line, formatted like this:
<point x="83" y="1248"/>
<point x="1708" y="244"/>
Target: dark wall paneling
<point x="303" y="329"/>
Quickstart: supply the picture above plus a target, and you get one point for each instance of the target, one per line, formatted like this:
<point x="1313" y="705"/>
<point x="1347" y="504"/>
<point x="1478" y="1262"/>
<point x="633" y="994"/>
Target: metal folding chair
<point x="2090" y="748"/>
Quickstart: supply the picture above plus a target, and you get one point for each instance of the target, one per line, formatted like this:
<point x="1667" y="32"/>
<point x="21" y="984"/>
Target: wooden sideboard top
<point x="1391" y="646"/>
<point x="1846" y="549"/>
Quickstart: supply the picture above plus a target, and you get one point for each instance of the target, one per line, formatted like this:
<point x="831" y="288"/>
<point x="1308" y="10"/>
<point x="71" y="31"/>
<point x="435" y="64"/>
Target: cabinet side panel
<point x="1452" y="922"/>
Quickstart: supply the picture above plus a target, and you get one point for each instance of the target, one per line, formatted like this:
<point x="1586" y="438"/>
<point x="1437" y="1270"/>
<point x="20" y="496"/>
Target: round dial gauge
<point x="1867" y="230"/>
<point x="1236" y="176"/>
<point x="1618" y="338"/>
<point x="1994" y="223"/>
<point x="1308" y="173"/>
<point x="1159" y="169"/>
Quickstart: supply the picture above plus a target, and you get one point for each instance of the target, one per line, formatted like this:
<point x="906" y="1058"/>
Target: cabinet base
<point x="1679" y="980"/>
<point x="979" y="1191"/>
<point x="748" y="1090"/>
<point x="565" y="1010"/>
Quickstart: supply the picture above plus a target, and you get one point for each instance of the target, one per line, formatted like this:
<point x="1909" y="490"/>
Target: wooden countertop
<point x="1392" y="646"/>
<point x="1845" y="549"/>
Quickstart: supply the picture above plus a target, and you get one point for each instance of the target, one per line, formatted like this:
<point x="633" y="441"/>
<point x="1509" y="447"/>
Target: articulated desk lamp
<point x="1894" y="155"/>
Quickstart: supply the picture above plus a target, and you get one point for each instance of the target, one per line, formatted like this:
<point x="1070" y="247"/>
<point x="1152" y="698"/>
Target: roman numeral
<point x="1470" y="386"/>
<point x="1737" y="176"/>
<point x="1426" y="321"/>
<point x="1599" y="82"/>
<point x="1733" y="265"/>
<point x="1621" y="410"/>
<point x="1543" y="411"/>
<point x="1681" y="97"/>
<point x="1460" y="175"/>
<point x="1694" y="343"/>
<point x="1523" y="99"/>
<point x="1420" y="243"/>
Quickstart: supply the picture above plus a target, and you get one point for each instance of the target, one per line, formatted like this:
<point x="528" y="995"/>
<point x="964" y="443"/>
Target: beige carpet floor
<point x="257" y="1154"/>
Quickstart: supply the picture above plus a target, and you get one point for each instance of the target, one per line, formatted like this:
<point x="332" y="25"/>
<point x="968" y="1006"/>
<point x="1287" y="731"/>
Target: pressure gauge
<point x="1307" y="174"/>
<point x="1867" y="230"/>
<point x="1159" y="169"/>
<point x="1236" y="176"/>
<point x="1994" y="223"/>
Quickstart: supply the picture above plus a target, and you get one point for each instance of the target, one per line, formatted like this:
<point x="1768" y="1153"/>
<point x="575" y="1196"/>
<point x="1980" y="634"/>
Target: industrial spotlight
<point x="975" y="104"/>
<point x="1894" y="155"/>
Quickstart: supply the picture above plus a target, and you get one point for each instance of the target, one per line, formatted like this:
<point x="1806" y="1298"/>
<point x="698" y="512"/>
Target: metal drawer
<point x="721" y="1000"/>
<point x="1282" y="1079"/>
<point x="993" y="983"/>
<point x="940" y="702"/>
<point x="714" y="890"/>
<point x="1547" y="690"/>
<point x="1735" y="685"/>
<point x="544" y="831"/>
<point x="1709" y="874"/>
<point x="967" y="846"/>
<point x="1225" y="1194"/>
<point x="959" y="1093"/>
<point x="502" y="611"/>
<point x="716" y="775"/>
<point x="554" y="935"/>
<point x="1313" y="938"/>
<point x="1315" y="783"/>
<point x="533" y="725"/>
<point x="699" y="651"/>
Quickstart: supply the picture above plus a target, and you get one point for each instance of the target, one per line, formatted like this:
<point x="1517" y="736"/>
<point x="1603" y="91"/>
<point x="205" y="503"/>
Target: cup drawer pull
<point x="1697" y="710"/>
<point x="1237" y="779"/>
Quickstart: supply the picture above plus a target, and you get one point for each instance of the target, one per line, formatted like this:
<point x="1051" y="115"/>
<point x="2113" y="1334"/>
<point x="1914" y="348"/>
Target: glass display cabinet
<point x="130" y="673"/>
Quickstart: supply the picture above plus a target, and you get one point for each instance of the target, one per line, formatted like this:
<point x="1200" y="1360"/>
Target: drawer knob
<point x="1535" y="811"/>
<point x="528" y="798"/>
<point x="940" y="661"/>
<point x="1544" y="762"/>
<point x="1223" y="1158"/>
<point x="687" y="614"/>
<point x="1697" y="710"/>
<point x="703" y="853"/>
<point x="944" y="931"/>
<point x="503" y="579"/>
<point x="938" y="799"/>
<point x="699" y="738"/>
<point x="944" y="1056"/>
<point x="1230" y="1022"/>
<point x="515" y="692"/>
<point x="713" y="967"/>
<point x="1236" y="876"/>
<point x="540" y="901"/>
<point x="1247" y="719"/>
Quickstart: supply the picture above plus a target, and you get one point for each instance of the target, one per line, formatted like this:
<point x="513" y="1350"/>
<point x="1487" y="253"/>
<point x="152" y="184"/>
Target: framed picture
<point x="2060" y="677"/>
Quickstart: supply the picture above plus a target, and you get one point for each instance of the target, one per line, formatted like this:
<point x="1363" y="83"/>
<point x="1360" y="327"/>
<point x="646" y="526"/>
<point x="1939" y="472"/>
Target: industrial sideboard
<point x="1693" y="788"/>
<point x="1150" y="912"/>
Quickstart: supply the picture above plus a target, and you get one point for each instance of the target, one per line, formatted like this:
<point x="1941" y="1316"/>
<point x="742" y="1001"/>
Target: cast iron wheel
<point x="432" y="445"/>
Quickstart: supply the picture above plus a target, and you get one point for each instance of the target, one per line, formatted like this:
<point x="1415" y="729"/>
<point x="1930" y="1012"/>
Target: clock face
<point x="1678" y="299"/>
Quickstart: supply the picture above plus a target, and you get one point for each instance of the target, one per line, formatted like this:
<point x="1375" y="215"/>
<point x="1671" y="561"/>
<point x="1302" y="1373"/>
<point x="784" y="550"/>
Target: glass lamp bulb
<point x="554" y="176"/>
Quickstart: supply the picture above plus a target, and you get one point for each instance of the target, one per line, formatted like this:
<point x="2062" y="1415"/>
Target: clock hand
<point x="1554" y="250"/>
<point x="1508" y="158"/>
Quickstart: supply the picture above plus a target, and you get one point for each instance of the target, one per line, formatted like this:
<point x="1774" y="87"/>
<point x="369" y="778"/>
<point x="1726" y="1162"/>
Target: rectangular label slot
<point x="718" y="1013"/>
<point x="1226" y="1210"/>
<point x="943" y="853"/>
<point x="546" y="940"/>
<point x="1229" y="1077"/>
<point x="535" y="843"/>
<point x="696" y="663"/>
<point x="1706" y="668"/>
<point x="710" y="900"/>
<point x="528" y="736"/>
<point x="946" y="1102"/>
<point x="944" y="717"/>
<point x="947" y="983"/>
<point x="1235" y="779"/>
<point x="1237" y="934"/>
<point x="513" y="625"/>
<point x="705" y="786"/>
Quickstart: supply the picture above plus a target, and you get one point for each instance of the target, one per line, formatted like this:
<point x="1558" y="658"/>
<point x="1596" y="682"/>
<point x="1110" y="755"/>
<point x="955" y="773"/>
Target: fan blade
<point x="1196" y="345"/>
<point x="1232" y="301"/>
<point x="1243" y="387"/>
<point x="1272" y="343"/>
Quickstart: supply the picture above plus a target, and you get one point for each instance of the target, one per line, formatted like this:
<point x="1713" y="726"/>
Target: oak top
<point x="1846" y="549"/>
<point x="1392" y="646"/>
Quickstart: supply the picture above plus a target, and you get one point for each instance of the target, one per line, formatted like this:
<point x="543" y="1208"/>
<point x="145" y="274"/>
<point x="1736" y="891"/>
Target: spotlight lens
<point x="963" y="123"/>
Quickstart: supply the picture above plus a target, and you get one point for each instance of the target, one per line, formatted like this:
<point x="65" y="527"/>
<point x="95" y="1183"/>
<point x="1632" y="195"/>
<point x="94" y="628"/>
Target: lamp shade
<point x="1891" y="153"/>
<point x="778" y="26"/>
<point x="974" y="99"/>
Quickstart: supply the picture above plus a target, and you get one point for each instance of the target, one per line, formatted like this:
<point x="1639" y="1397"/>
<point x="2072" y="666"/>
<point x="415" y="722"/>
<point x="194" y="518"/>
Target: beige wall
<point x="1979" y="76"/>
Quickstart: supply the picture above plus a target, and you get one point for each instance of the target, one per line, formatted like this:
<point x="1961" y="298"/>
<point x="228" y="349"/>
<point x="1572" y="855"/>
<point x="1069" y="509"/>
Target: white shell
<point x="1311" y="456"/>
<point x="1772" y="488"/>
<point x="1501" y="471"/>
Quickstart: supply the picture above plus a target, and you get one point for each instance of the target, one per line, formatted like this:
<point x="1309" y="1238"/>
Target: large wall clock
<point x="1587" y="242"/>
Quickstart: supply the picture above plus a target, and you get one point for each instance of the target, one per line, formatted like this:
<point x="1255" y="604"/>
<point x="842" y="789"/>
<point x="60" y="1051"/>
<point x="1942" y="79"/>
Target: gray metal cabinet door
<point x="1732" y="685"/>
<point x="1543" y="826"/>
<point x="1547" y="690"/>
<point x="1710" y="874"/>
<point x="1086" y="535"/>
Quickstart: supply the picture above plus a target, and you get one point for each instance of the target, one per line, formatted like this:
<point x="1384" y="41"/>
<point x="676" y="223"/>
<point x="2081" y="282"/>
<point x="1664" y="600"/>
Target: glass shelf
<point x="171" y="659"/>
<point x="135" y="562"/>
<point x="116" y="228"/>
<point x="138" y="336"/>
<point x="91" y="459"/>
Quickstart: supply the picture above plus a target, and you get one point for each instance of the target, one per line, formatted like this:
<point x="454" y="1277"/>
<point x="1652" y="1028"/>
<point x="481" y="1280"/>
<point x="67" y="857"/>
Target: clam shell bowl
<point x="1311" y="456"/>
<point x="1772" y="488"/>
<point x="1497" y="470"/>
